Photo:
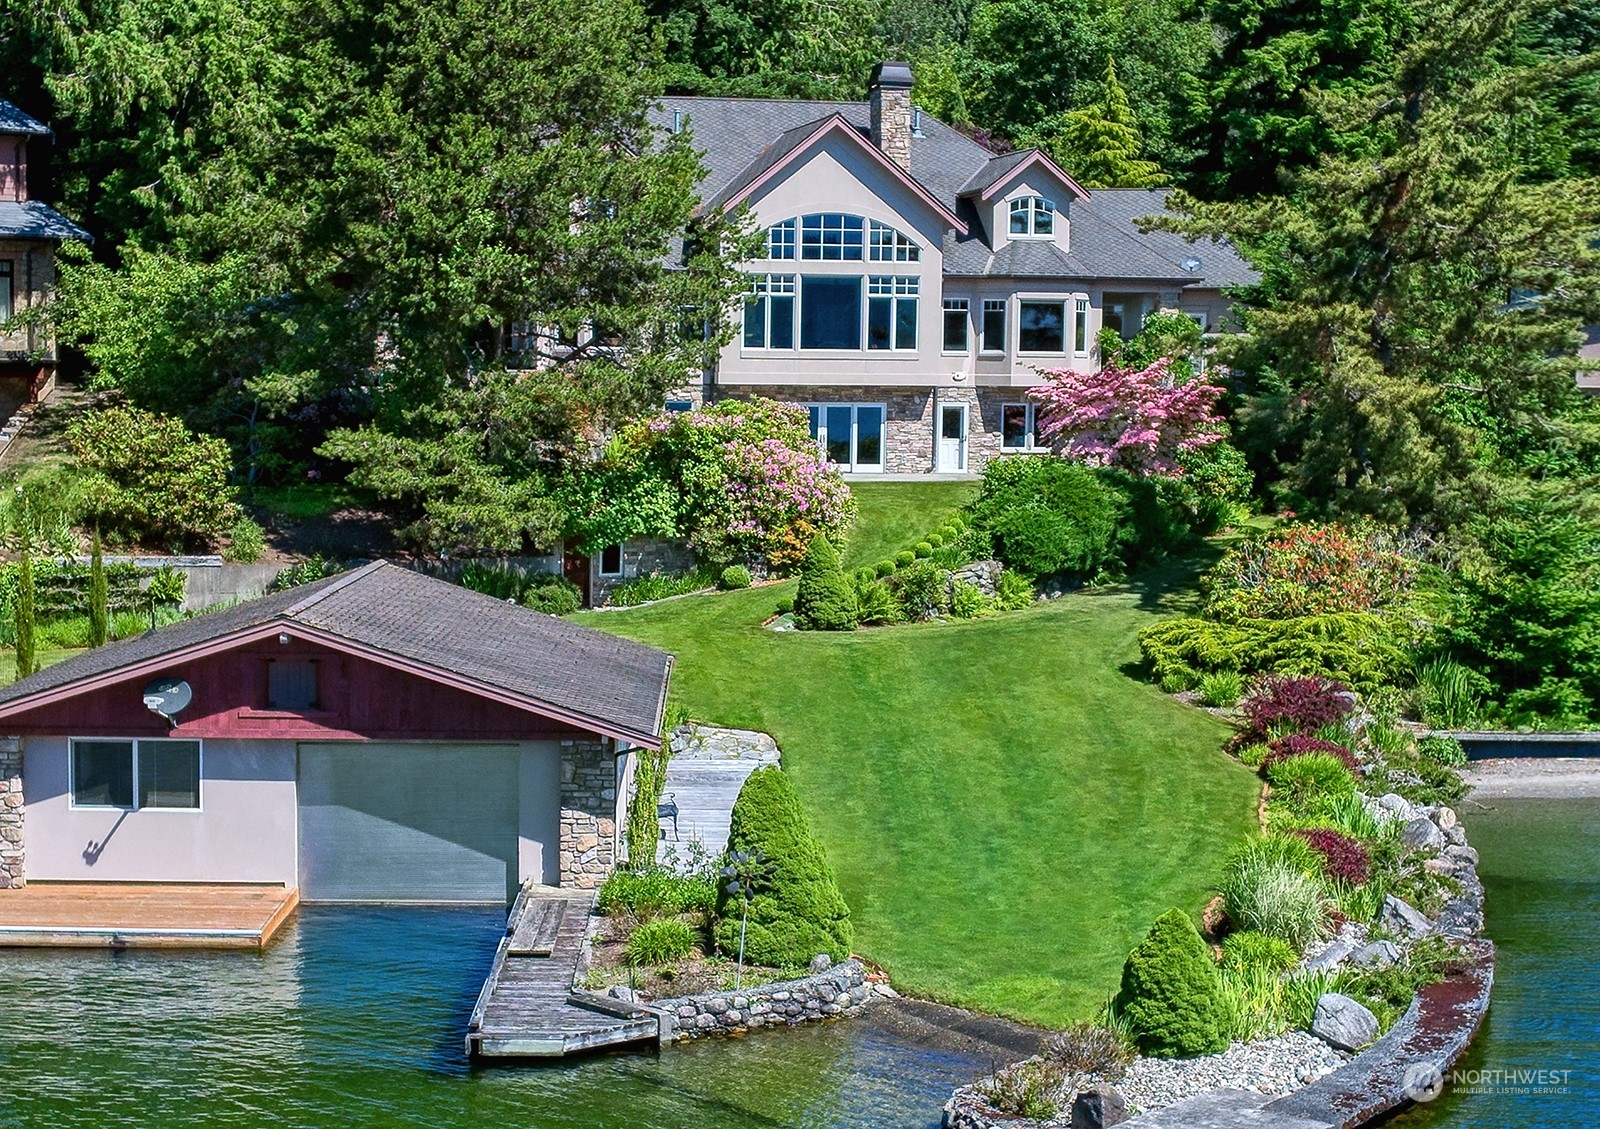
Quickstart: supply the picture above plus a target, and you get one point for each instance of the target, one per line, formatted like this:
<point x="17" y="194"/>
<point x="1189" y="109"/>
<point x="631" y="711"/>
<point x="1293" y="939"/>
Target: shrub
<point x="884" y="568"/>
<point x="247" y="541"/>
<point x="1442" y="750"/>
<point x="552" y="594"/>
<point x="1274" y="897"/>
<point x="1170" y="991"/>
<point x="1419" y="780"/>
<point x="1047" y="516"/>
<point x="1343" y="811"/>
<point x="656" y="891"/>
<point x="967" y="600"/>
<point x="148" y="478"/>
<point x="1305" y="779"/>
<point x="904" y="558"/>
<point x="167" y="586"/>
<point x="1222" y="689"/>
<point x="1013" y="591"/>
<point x="921" y="550"/>
<point x="660" y="942"/>
<point x="865" y="576"/>
<point x="661" y="586"/>
<point x="932" y="540"/>
<point x="1361" y="650"/>
<point x="921" y="591"/>
<point x="1248" y="949"/>
<point x="1283" y="748"/>
<point x="1253" y="754"/>
<point x="1305" y="570"/>
<point x="1033" y="1088"/>
<point x="313" y="568"/>
<point x="785" y="605"/>
<point x="734" y="577"/>
<point x="876" y="603"/>
<point x="825" y="601"/>
<point x="1280" y="704"/>
<point x="796" y="910"/>
<point x="1343" y="859"/>
<point x="1091" y="1048"/>
<point x="1449" y="695"/>
<point x="492" y="580"/>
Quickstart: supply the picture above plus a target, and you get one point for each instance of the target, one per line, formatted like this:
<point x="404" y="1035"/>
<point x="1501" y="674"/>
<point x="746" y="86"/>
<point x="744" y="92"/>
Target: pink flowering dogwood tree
<point x="1137" y="420"/>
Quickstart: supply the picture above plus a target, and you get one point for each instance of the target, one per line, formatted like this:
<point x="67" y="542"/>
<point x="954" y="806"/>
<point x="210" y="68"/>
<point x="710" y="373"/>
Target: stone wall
<point x="839" y="991"/>
<point x="588" y="813"/>
<point x="639" y="558"/>
<point x="13" y="871"/>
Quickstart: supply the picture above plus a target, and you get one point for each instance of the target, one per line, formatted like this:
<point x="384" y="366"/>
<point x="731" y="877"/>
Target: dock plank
<point x="129" y="915"/>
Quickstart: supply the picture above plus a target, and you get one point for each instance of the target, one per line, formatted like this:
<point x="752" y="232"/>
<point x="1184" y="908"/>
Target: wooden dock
<point x="528" y="1007"/>
<point x="125" y="915"/>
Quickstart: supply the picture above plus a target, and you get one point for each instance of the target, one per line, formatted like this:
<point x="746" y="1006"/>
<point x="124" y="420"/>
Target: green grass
<point x="1008" y="808"/>
<point x="48" y="656"/>
<point x="891" y="516"/>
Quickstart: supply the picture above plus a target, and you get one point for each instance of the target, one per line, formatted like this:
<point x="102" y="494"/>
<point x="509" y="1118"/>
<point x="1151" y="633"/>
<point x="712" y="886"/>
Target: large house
<point x="30" y="232"/>
<point x="914" y="282"/>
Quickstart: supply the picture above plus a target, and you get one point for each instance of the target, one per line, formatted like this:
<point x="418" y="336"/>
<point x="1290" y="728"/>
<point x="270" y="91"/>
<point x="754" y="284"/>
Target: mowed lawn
<point x="1007" y="808"/>
<point x="891" y="516"/>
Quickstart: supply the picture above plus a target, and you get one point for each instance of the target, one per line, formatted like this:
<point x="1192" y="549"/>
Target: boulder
<point x="1456" y="836"/>
<point x="1461" y="852"/>
<point x="1403" y="919"/>
<point x="1331" y="957"/>
<point x="1422" y="834"/>
<point x="1396" y="806"/>
<point x="1462" y="917"/>
<point x="1379" y="954"/>
<point x="820" y="964"/>
<point x="1344" y="1023"/>
<point x="621" y="992"/>
<point x="1446" y="818"/>
<point x="1098" y="1107"/>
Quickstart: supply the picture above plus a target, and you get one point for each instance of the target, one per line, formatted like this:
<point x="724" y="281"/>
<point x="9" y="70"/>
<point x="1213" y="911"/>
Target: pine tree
<point x="1100" y="144"/>
<point x="825" y="600"/>
<point x="99" y="598"/>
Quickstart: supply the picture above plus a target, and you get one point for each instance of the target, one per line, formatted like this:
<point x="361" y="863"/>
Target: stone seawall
<point x="841" y="990"/>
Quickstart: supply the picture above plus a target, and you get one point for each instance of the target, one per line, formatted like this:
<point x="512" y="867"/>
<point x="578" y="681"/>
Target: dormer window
<point x="1033" y="215"/>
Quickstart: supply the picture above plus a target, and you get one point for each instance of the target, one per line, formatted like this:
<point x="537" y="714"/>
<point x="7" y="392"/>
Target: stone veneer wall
<point x="13" y="869"/>
<point x="588" y="813"/>
<point x="639" y="558"/>
<point x="842" y="990"/>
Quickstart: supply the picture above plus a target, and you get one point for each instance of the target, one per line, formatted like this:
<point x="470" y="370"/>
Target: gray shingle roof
<point x="617" y="685"/>
<point x="13" y="120"/>
<point x="34" y="219"/>
<point x="1220" y="264"/>
<point x="993" y="171"/>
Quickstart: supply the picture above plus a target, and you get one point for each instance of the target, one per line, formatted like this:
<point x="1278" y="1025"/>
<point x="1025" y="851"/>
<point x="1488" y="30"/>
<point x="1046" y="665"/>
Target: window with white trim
<point x="956" y="321"/>
<point x="831" y="235"/>
<point x="769" y="312"/>
<point x="1033" y="215"/>
<point x="1041" y="327"/>
<point x="892" y="311"/>
<point x="850" y="436"/>
<point x="135" y="775"/>
<point x="611" y="560"/>
<point x="1080" y="327"/>
<point x="888" y="245"/>
<point x="994" y="325"/>
<point x="1018" y="427"/>
<point x="780" y="240"/>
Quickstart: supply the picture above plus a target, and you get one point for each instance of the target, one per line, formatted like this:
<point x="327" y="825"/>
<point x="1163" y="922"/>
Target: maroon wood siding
<point x="357" y="699"/>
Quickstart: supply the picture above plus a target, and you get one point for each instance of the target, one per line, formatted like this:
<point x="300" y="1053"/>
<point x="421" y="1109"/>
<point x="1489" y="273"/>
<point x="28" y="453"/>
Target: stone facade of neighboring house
<point x="618" y="564"/>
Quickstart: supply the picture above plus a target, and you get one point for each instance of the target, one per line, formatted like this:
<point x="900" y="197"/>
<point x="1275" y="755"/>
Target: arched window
<point x="1033" y="215"/>
<point x="840" y="236"/>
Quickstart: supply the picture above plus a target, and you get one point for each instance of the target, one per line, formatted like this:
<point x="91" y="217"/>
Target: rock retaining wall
<point x="841" y="990"/>
<point x="588" y="813"/>
<point x="13" y="869"/>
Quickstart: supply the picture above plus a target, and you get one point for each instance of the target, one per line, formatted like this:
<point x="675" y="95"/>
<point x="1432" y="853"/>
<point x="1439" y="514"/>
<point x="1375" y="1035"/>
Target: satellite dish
<point x="168" y="697"/>
<point x="1192" y="265"/>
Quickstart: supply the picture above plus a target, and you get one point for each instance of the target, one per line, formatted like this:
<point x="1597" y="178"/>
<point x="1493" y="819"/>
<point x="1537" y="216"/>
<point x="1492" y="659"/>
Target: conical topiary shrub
<point x="796" y="910"/>
<point x="1171" y="992"/>
<point x="826" y="600"/>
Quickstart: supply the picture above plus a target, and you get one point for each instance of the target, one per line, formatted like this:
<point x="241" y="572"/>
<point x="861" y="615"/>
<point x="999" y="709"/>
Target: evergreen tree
<point x="825" y="601"/>
<point x="99" y="597"/>
<point x="1171" y="992"/>
<point x="1100" y="144"/>
<point x="27" y="652"/>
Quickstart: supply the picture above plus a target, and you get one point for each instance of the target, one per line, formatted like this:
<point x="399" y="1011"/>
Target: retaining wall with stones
<point x="13" y="861"/>
<point x="588" y="813"/>
<point x="840" y="991"/>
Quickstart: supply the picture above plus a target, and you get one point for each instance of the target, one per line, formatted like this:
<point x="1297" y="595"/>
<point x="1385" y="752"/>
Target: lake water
<point x="355" y="1019"/>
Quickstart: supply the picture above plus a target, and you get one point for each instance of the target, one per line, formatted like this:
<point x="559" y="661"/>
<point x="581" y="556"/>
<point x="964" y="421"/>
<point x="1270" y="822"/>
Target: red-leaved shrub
<point x="1299" y="744"/>
<point x="1280" y="703"/>
<point x="1344" y="859"/>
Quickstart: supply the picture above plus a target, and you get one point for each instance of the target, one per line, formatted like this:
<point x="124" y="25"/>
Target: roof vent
<point x="1192" y="265"/>
<point x="916" y="121"/>
<point x="677" y="121"/>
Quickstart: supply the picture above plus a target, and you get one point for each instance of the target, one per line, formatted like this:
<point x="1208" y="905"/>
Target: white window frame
<point x="896" y="289"/>
<point x="1034" y="209"/>
<point x="763" y="288"/>
<point x="989" y="306"/>
<point x="888" y="244"/>
<point x="844" y="228"/>
<point x="853" y="466"/>
<point x="782" y="242"/>
<point x="600" y="560"/>
<point x="1080" y="327"/>
<point x="133" y="751"/>
<point x="1043" y="300"/>
<point x="1031" y="435"/>
<point x="963" y="306"/>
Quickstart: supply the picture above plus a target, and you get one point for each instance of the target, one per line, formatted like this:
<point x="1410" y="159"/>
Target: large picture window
<point x="831" y="235"/>
<point x="830" y="311"/>
<point x="994" y="325"/>
<point x="955" y="325"/>
<point x="135" y="775"/>
<point x="849" y="435"/>
<point x="1041" y="327"/>
<point x="892" y="312"/>
<point x="769" y="312"/>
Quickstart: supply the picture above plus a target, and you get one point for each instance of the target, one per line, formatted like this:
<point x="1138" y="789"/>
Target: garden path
<point x="708" y="767"/>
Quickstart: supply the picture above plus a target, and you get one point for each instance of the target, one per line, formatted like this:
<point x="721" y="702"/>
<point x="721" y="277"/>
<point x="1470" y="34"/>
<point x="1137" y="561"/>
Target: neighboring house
<point x="914" y="282"/>
<point x="30" y="231"/>
<point x="376" y="736"/>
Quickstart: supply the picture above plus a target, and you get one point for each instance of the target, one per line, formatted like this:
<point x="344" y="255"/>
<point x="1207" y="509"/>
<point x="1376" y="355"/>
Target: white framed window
<point x="1033" y="215"/>
<point x="887" y="245"/>
<point x="994" y="325"/>
<point x="892" y="312"/>
<point x="1080" y="327"/>
<point x="780" y="240"/>
<point x="135" y="775"/>
<point x="831" y="235"/>
<point x="957" y="319"/>
<point x="769" y="312"/>
<point x="611" y="560"/>
<point x="1018" y="427"/>
<point x="1199" y="317"/>
<point x="1042" y="326"/>
<point x="850" y="436"/>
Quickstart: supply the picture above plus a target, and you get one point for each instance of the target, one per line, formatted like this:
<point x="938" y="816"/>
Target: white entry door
<point x="952" y="438"/>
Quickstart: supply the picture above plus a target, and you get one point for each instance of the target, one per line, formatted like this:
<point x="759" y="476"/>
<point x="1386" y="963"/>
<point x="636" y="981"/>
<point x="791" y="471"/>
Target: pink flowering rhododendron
<point x="1137" y="420"/>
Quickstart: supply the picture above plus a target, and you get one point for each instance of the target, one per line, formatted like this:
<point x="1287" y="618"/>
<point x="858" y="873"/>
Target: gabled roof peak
<point x="13" y="120"/>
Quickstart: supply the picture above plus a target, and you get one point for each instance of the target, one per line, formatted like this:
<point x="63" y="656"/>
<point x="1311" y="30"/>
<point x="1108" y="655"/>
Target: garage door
<point x="408" y="822"/>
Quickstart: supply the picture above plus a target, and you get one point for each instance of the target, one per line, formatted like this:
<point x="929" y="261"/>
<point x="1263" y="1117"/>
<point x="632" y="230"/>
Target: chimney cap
<point x="893" y="75"/>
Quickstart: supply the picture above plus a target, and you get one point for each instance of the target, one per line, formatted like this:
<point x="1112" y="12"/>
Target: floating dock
<point x="528" y="1007"/>
<point x="129" y="915"/>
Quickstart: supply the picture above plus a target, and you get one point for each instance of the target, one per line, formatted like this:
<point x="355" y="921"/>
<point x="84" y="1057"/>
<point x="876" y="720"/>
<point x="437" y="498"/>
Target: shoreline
<point x="1548" y="778"/>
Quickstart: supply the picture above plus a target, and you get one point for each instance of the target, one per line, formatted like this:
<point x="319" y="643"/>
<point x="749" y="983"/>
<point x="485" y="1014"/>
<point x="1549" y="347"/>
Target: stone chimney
<point x="889" y="98"/>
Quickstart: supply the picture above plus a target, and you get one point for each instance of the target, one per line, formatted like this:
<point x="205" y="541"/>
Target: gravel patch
<point x="1271" y="1066"/>
<point x="1534" y="778"/>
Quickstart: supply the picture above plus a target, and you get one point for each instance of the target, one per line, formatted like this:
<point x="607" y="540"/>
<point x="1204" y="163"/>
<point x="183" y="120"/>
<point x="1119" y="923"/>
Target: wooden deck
<point x="528" y="1008"/>
<point x="136" y="915"/>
